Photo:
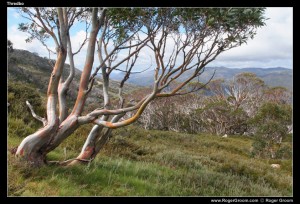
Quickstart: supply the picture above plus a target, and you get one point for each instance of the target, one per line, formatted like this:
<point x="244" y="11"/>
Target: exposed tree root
<point x="68" y="162"/>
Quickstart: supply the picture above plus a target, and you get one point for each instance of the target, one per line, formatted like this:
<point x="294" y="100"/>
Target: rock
<point x="275" y="166"/>
<point x="246" y="133"/>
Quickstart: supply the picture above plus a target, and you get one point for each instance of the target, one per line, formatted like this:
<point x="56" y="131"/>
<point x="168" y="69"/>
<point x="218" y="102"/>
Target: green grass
<point x="137" y="162"/>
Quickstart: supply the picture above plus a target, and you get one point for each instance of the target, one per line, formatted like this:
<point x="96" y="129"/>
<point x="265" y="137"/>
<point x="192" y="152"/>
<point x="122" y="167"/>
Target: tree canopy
<point x="177" y="41"/>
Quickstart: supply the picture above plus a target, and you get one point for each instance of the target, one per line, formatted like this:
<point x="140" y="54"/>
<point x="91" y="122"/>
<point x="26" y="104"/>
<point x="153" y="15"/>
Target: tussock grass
<point x="139" y="162"/>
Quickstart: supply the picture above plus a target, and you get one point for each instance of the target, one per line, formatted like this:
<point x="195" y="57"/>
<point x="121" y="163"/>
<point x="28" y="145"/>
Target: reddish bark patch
<point x="88" y="152"/>
<point x="21" y="152"/>
<point x="109" y="124"/>
<point x="78" y="104"/>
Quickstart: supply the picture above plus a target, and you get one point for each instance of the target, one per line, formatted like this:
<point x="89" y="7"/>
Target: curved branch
<point x="131" y="120"/>
<point x="39" y="118"/>
<point x="85" y="40"/>
<point x="72" y="66"/>
<point x="193" y="90"/>
<point x="138" y="72"/>
<point x="98" y="112"/>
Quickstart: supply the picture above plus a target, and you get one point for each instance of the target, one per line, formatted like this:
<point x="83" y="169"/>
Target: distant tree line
<point x="242" y="106"/>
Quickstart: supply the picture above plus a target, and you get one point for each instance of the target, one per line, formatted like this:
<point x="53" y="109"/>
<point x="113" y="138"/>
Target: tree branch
<point x="43" y="120"/>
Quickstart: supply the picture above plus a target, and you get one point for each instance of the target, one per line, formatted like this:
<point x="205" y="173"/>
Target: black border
<point x="141" y="3"/>
<point x="154" y="3"/>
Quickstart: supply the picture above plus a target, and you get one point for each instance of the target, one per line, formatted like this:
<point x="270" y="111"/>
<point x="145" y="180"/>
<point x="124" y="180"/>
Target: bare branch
<point x="194" y="88"/>
<point x="72" y="65"/>
<point x="84" y="41"/>
<point x="139" y="112"/>
<point x="137" y="72"/>
<point x="43" y="120"/>
<point x="98" y="112"/>
<point x="69" y="161"/>
<point x="91" y="86"/>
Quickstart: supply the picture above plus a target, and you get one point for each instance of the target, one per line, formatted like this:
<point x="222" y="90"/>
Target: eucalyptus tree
<point x="278" y="94"/>
<point x="246" y="90"/>
<point x="182" y="41"/>
<point x="10" y="47"/>
<point x="271" y="127"/>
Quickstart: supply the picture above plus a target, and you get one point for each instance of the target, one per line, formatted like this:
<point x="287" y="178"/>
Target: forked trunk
<point x="97" y="138"/>
<point x="35" y="147"/>
<point x="90" y="150"/>
<point x="32" y="148"/>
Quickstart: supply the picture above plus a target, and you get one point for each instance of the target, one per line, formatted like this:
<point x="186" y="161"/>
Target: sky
<point x="271" y="47"/>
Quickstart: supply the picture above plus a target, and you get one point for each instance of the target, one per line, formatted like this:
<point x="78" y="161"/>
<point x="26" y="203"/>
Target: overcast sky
<point x="271" y="47"/>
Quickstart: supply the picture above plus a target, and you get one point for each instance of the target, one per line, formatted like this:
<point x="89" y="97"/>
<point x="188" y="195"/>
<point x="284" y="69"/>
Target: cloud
<point x="16" y="15"/>
<point x="77" y="40"/>
<point x="18" y="39"/>
<point x="272" y="46"/>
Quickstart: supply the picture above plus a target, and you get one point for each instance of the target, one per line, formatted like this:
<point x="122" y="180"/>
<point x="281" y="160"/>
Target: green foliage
<point x="139" y="162"/>
<point x="245" y="78"/>
<point x="17" y="95"/>
<point x="284" y="152"/>
<point x="272" y="111"/>
<point x="259" y="145"/>
<point x="17" y="127"/>
<point x="77" y="139"/>
<point x="33" y="27"/>
<point x="219" y="117"/>
<point x="237" y="23"/>
<point x="278" y="94"/>
<point x="271" y="127"/>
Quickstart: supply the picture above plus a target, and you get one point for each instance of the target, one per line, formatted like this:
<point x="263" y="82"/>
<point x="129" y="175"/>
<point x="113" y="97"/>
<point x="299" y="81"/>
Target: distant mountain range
<point x="31" y="68"/>
<point x="277" y="76"/>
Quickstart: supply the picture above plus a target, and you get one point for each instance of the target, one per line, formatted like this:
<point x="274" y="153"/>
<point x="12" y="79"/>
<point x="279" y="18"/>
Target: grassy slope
<point x="154" y="163"/>
<point x="140" y="163"/>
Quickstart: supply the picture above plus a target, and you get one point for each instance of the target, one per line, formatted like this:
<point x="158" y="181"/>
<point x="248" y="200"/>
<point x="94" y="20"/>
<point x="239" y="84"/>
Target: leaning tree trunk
<point x="97" y="138"/>
<point x="30" y="148"/>
<point x="35" y="147"/>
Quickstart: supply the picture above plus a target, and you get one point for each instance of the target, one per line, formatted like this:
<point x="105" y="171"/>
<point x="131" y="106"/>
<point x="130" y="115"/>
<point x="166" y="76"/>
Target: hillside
<point x="30" y="68"/>
<point x="272" y="76"/>
<point x="137" y="162"/>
